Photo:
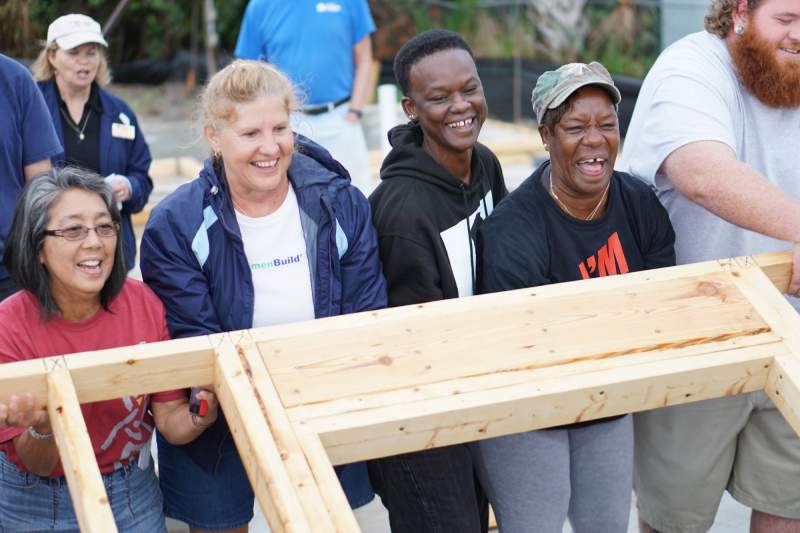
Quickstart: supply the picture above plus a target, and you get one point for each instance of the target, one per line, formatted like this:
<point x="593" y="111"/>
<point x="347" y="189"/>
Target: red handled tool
<point x="197" y="407"/>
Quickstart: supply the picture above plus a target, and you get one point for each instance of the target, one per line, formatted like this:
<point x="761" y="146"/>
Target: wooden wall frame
<point x="300" y="398"/>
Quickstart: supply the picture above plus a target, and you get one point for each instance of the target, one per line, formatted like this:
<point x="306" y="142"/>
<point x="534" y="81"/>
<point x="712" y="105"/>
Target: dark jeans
<point x="432" y="491"/>
<point x="7" y="288"/>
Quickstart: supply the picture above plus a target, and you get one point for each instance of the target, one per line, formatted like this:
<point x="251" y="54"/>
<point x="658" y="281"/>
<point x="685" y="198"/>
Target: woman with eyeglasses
<point x="98" y="130"/>
<point x="64" y="251"/>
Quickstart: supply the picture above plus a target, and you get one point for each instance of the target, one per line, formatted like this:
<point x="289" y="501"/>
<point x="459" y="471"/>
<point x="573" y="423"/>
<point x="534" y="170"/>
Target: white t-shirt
<point x="692" y="94"/>
<point x="276" y="252"/>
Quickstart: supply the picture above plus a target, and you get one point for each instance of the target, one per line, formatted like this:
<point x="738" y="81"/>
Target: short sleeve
<point x="39" y="139"/>
<point x="688" y="96"/>
<point x="660" y="251"/>
<point x="361" y="20"/>
<point x="11" y="350"/>
<point x="249" y="43"/>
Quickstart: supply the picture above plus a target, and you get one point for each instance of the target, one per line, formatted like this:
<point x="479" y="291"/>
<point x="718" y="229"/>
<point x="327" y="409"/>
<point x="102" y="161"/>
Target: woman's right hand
<point x="21" y="411"/>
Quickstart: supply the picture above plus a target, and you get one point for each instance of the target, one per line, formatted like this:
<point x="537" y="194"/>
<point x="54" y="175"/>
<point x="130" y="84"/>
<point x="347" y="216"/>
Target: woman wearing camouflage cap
<point x="573" y="218"/>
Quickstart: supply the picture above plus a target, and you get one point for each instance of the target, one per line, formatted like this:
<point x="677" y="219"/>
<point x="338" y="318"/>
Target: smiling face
<point x="767" y="54"/>
<point x="776" y="22"/>
<point x="584" y="144"/>
<point x="256" y="147"/>
<point x="77" y="270"/>
<point x="76" y="68"/>
<point x="446" y="95"/>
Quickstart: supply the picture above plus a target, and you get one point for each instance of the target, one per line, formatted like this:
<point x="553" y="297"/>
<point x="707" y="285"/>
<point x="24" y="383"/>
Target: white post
<point x="387" y="104"/>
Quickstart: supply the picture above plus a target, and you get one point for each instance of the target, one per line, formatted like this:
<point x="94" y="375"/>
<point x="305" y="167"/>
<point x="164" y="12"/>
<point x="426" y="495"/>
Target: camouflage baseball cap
<point x="555" y="86"/>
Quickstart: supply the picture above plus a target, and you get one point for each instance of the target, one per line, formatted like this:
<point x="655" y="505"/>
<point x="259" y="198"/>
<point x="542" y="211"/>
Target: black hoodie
<point x="427" y="219"/>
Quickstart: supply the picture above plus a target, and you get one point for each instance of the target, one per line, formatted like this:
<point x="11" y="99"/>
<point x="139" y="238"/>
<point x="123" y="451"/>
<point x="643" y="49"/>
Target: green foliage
<point x="506" y="29"/>
<point x="148" y="28"/>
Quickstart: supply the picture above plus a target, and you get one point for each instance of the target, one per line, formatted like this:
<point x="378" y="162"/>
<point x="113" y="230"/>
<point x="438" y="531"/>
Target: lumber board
<point x="783" y="383"/>
<point x="496" y="380"/>
<point x="776" y="265"/>
<point x="335" y="500"/>
<point x="783" y="388"/>
<point x="399" y="428"/>
<point x="85" y="484"/>
<point x="509" y="331"/>
<point x="301" y="397"/>
<point x="113" y="373"/>
<point x="286" y="441"/>
<point x="261" y="458"/>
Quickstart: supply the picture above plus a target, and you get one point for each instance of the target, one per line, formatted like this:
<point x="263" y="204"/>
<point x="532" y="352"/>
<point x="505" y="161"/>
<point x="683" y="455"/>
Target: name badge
<point x="123" y="131"/>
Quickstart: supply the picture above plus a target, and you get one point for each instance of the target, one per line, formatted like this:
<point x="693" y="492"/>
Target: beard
<point x="775" y="83"/>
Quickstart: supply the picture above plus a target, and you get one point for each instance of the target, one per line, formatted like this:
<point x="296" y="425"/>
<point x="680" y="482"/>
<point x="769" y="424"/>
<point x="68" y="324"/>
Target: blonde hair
<point x="241" y="82"/>
<point x="719" y="19"/>
<point x="43" y="70"/>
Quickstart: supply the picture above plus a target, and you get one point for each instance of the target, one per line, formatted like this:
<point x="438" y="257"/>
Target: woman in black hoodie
<point x="438" y="186"/>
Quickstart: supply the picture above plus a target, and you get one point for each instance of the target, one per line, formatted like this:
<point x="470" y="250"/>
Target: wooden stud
<point x="783" y="388"/>
<point x="262" y="460"/>
<point x="113" y="373"/>
<point x="331" y="490"/>
<point x="770" y="342"/>
<point x="523" y="332"/>
<point x="85" y="484"/>
<point x="783" y="383"/>
<point x="286" y="441"/>
<point x="400" y="428"/>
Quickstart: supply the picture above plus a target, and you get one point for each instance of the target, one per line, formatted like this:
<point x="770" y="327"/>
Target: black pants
<point x="432" y="491"/>
<point x="7" y="288"/>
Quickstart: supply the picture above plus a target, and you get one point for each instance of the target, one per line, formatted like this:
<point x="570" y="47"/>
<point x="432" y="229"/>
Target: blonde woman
<point x="270" y="232"/>
<point x="98" y="131"/>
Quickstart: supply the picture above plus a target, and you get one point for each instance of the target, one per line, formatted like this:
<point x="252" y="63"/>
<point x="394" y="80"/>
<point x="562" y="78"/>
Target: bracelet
<point x="356" y="112"/>
<point x="38" y="436"/>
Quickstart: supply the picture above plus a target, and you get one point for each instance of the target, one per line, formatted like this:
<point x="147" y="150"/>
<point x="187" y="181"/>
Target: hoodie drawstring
<point x="469" y="237"/>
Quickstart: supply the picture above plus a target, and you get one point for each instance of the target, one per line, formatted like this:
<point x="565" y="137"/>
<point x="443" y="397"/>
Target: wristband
<point x="38" y="436"/>
<point x="356" y="112"/>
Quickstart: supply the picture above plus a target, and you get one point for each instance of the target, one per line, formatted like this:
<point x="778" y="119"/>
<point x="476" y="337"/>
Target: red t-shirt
<point x="118" y="428"/>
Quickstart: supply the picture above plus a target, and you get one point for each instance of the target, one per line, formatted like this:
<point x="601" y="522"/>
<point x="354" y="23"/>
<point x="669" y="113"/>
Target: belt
<point x="324" y="108"/>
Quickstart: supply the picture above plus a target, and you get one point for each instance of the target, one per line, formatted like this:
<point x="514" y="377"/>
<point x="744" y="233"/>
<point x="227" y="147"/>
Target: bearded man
<point x="716" y="130"/>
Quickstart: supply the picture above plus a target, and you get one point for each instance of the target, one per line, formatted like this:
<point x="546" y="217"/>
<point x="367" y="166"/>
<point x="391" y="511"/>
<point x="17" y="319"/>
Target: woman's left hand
<point x="206" y="393"/>
<point x="21" y="411"/>
<point x="120" y="186"/>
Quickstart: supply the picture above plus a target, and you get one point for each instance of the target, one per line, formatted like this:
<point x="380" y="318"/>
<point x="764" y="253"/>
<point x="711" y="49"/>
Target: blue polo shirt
<point x="309" y="40"/>
<point x="27" y="136"/>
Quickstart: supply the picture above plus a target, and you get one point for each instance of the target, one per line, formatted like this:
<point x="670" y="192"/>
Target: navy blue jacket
<point x="193" y="258"/>
<point x="130" y="158"/>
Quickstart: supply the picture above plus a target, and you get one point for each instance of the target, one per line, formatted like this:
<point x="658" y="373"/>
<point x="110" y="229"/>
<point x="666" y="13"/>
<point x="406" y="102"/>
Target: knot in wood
<point x="706" y="288"/>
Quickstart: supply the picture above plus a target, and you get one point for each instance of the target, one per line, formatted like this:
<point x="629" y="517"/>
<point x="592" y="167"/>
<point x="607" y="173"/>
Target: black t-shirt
<point x="530" y="241"/>
<point x="82" y="152"/>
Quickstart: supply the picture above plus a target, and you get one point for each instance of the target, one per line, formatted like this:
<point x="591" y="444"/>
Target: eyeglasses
<point x="78" y="233"/>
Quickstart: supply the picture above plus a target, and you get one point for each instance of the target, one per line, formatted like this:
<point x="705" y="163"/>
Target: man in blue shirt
<point x="325" y="49"/>
<point x="27" y="140"/>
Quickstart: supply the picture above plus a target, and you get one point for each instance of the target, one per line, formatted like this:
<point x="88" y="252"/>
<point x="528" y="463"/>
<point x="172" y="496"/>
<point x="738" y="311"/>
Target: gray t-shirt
<point x="692" y="94"/>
